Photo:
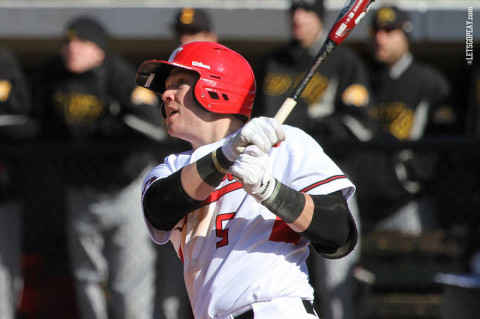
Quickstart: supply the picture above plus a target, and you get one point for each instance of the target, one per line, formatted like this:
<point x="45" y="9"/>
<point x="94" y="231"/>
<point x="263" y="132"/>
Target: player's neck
<point x="216" y="130"/>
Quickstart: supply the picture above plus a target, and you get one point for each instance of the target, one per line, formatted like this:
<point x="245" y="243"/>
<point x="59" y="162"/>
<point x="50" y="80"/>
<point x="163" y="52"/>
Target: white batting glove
<point x="262" y="131"/>
<point x="251" y="169"/>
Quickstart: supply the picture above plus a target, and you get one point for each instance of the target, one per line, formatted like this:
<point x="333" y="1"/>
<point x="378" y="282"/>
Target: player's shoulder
<point x="170" y="165"/>
<point x="294" y="130"/>
<point x="280" y="56"/>
<point x="178" y="160"/>
<point x="426" y="71"/>
<point x="298" y="138"/>
<point x="428" y="74"/>
<point x="118" y="67"/>
<point x="346" y="60"/>
<point x="117" y="60"/>
<point x="347" y="55"/>
<point x="8" y="60"/>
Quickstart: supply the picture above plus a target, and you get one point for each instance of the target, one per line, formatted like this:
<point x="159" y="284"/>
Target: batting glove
<point x="262" y="131"/>
<point x="251" y="169"/>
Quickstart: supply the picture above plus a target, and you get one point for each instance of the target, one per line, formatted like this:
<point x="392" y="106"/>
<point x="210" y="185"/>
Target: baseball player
<point x="241" y="207"/>
<point x="409" y="98"/>
<point x="16" y="124"/>
<point x="86" y="95"/>
<point x="409" y="95"/>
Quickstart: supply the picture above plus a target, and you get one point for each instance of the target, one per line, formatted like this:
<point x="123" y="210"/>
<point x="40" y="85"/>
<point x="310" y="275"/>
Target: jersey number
<point x="280" y="232"/>
<point x="220" y="231"/>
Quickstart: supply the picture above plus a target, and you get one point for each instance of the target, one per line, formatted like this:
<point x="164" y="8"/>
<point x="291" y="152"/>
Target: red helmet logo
<point x="226" y="84"/>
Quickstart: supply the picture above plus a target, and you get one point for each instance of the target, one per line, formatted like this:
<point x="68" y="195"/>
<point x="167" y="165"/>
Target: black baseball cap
<point x="310" y="5"/>
<point x="87" y="28"/>
<point x="190" y="20"/>
<point x="391" y="18"/>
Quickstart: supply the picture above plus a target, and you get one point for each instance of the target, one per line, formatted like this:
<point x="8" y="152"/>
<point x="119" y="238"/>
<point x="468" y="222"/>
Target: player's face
<point x="80" y="56"/>
<point x="390" y="45"/>
<point x="306" y="26"/>
<point x="185" y="119"/>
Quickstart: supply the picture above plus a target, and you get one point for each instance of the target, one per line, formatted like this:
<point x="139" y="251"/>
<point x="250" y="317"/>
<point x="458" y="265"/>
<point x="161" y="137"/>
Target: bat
<point x="352" y="12"/>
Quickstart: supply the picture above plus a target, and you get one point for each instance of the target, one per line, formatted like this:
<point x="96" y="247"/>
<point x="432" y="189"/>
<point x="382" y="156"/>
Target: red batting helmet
<point x="226" y="84"/>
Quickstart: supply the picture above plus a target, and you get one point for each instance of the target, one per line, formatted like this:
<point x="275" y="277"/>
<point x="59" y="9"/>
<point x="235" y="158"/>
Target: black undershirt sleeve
<point x="332" y="231"/>
<point x="342" y="251"/>
<point x="165" y="202"/>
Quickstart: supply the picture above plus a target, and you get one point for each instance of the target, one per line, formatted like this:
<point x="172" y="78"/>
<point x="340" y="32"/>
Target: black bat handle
<point x="324" y="52"/>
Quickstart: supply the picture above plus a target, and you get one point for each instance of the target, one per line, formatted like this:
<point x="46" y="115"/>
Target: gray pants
<point x="10" y="254"/>
<point x="414" y="218"/>
<point x="111" y="253"/>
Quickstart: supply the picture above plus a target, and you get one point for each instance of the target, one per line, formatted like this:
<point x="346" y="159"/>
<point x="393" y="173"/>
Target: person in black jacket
<point x="332" y="108"/>
<point x="87" y="99"/>
<point x="334" y="105"/>
<point x="16" y="123"/>
<point x="409" y="95"/>
<point x="410" y="103"/>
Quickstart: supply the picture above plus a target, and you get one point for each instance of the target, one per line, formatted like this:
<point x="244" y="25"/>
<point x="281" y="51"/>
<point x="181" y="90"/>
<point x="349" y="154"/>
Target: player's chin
<point x="297" y="34"/>
<point x="170" y="122"/>
<point x="171" y="130"/>
<point x="174" y="130"/>
<point x="381" y="56"/>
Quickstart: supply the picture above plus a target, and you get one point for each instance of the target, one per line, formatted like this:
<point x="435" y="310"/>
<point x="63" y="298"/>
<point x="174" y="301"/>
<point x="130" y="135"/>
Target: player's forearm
<point x="201" y="178"/>
<point x="193" y="184"/>
<point x="305" y="217"/>
<point x="323" y="219"/>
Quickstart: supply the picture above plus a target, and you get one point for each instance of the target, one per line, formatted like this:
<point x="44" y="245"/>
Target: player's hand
<point x="262" y="131"/>
<point x="251" y="169"/>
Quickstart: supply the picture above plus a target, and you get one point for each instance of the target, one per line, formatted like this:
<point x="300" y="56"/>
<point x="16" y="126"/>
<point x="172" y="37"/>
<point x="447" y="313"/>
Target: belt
<point x="249" y="314"/>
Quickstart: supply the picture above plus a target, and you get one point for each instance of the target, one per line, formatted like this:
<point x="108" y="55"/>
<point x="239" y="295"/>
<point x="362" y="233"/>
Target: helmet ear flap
<point x="219" y="96"/>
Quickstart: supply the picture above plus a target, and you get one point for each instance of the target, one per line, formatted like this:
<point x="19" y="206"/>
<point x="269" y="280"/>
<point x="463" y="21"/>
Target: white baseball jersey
<point x="235" y="251"/>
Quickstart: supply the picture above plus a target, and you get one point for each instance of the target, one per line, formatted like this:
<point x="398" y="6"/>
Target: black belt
<point x="249" y="314"/>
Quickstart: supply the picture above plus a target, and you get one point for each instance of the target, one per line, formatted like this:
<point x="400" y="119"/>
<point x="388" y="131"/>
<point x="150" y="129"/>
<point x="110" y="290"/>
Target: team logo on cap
<point x="187" y="16"/>
<point x="71" y="35"/>
<point x="386" y="16"/>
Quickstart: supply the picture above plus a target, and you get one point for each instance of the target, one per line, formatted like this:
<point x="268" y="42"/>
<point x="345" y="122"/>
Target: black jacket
<point x="94" y="111"/>
<point x="337" y="95"/>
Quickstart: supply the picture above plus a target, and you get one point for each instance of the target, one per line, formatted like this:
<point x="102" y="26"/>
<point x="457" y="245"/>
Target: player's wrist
<point x="212" y="168"/>
<point x="221" y="161"/>
<point x="228" y="151"/>
<point x="267" y="190"/>
<point x="285" y="202"/>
